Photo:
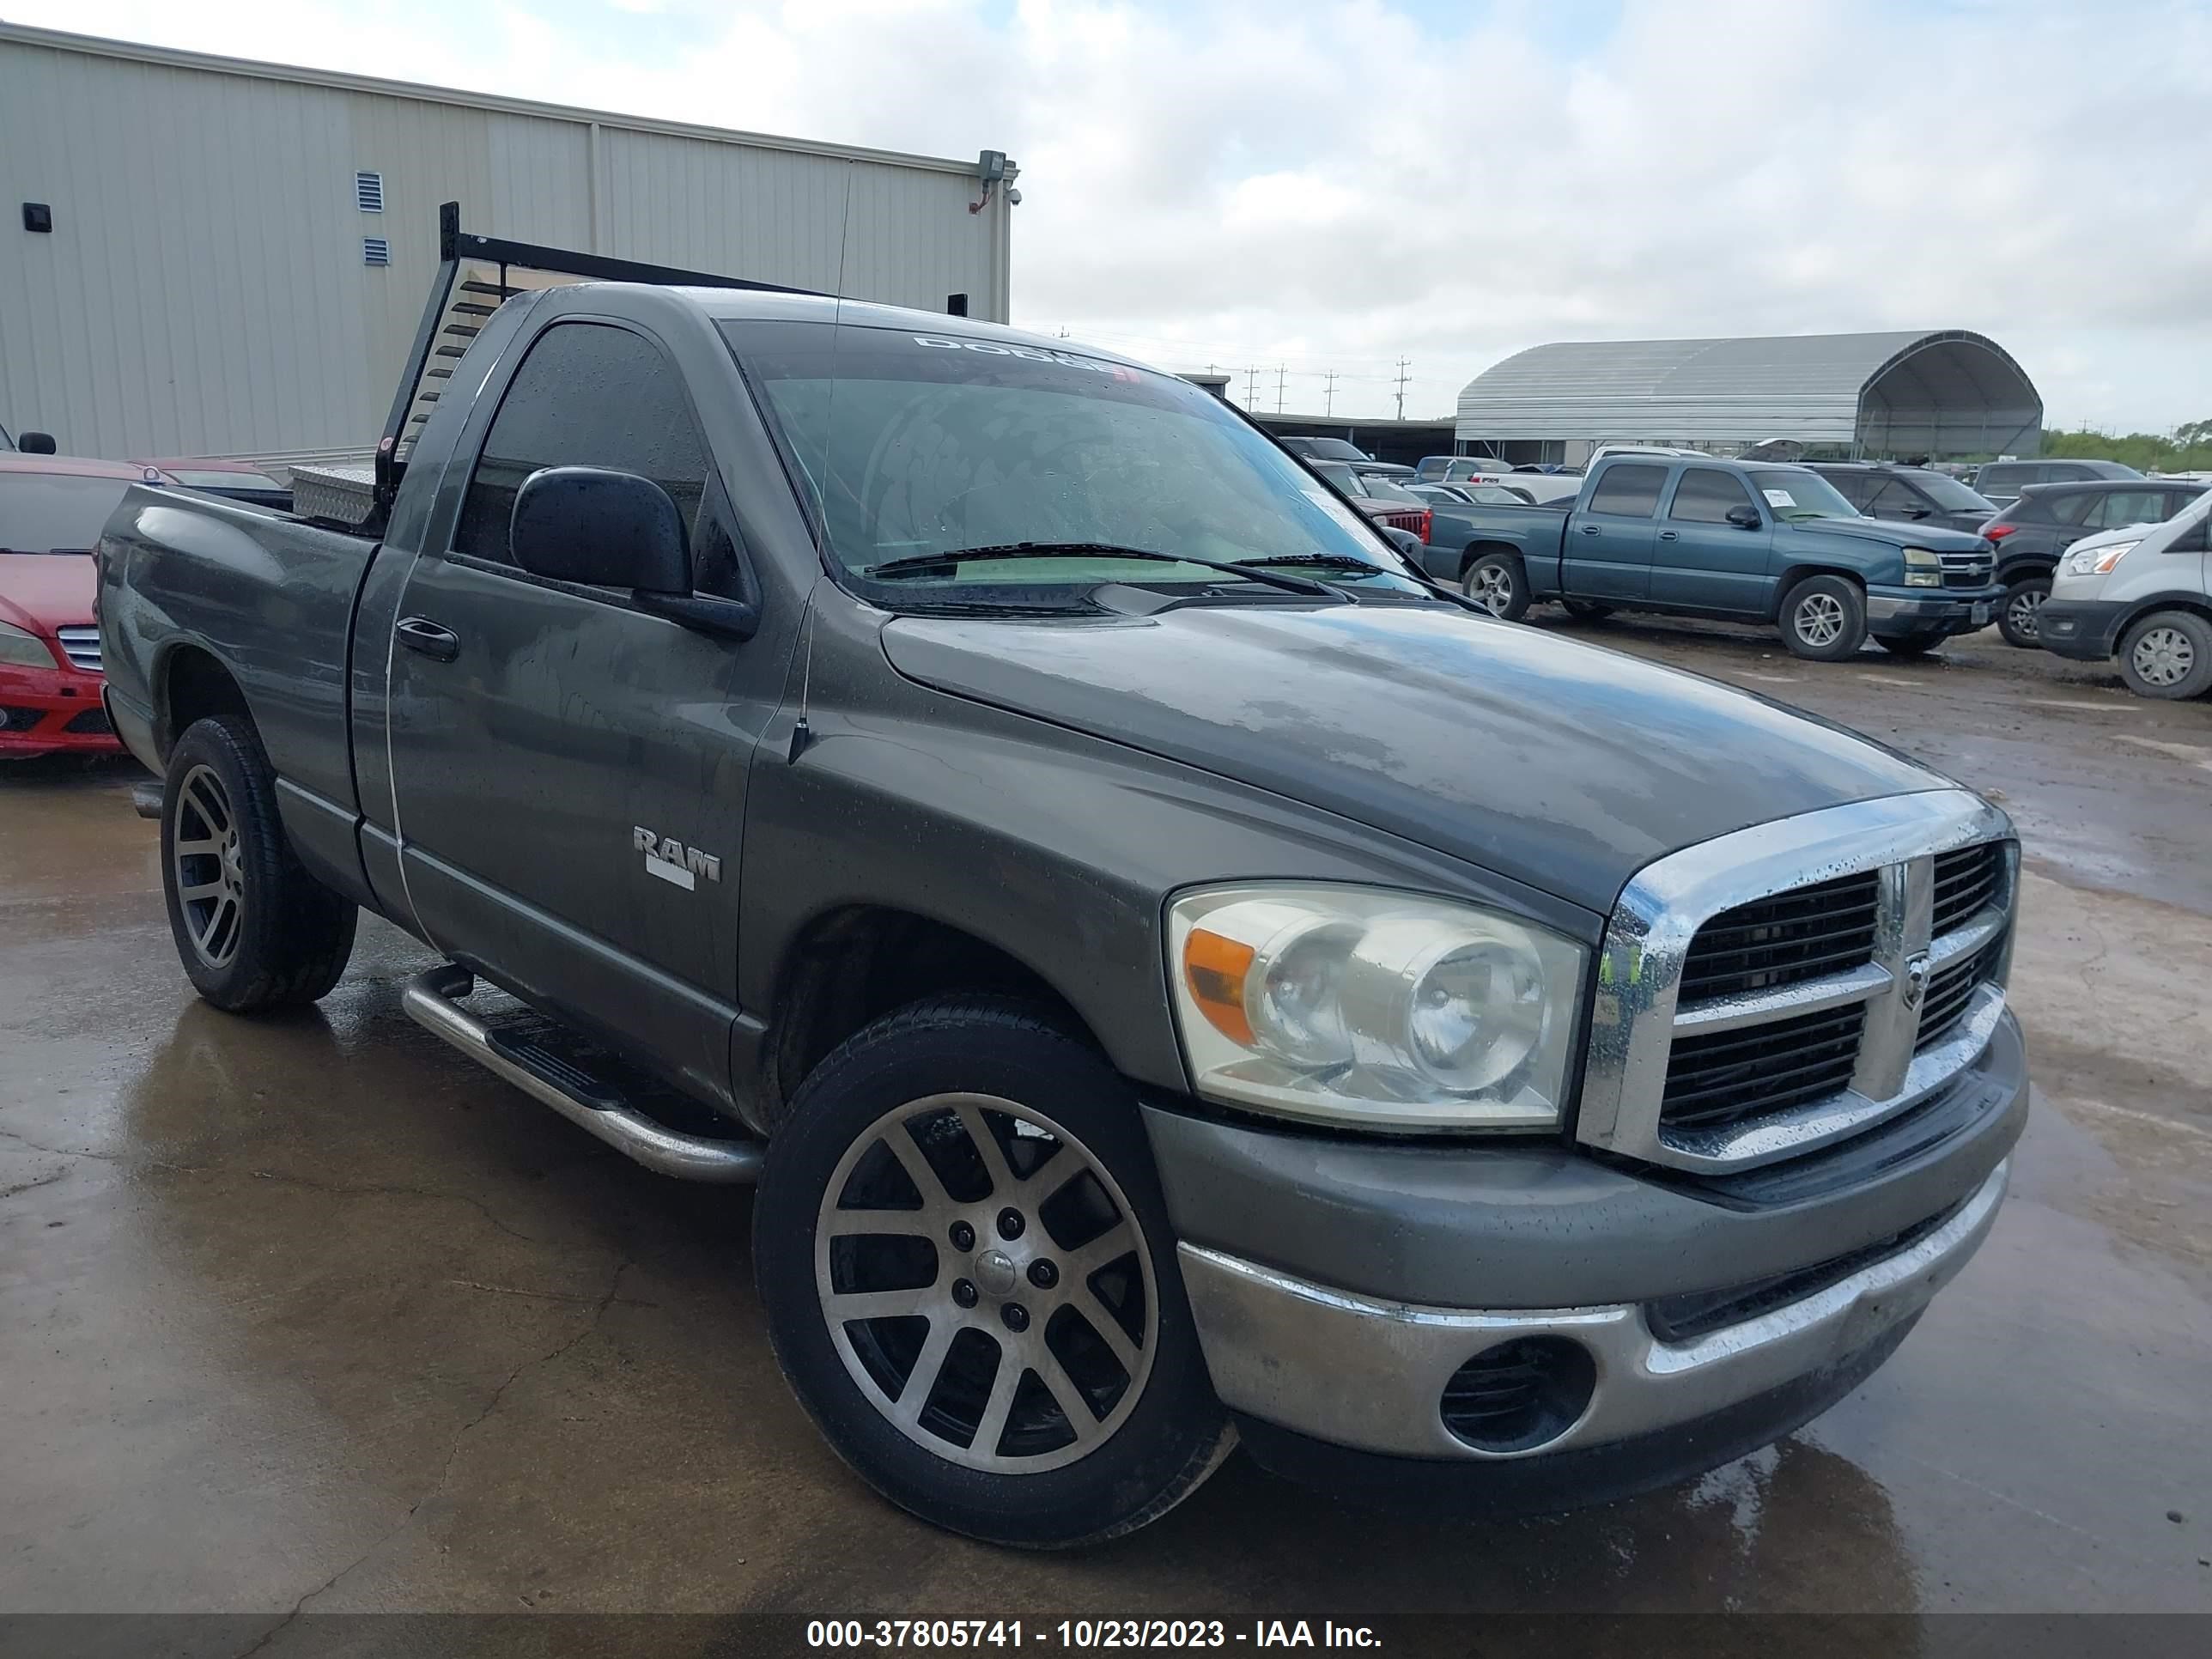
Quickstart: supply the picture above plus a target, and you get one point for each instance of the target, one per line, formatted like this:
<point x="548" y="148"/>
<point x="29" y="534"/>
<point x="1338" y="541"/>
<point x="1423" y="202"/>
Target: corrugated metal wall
<point x="204" y="291"/>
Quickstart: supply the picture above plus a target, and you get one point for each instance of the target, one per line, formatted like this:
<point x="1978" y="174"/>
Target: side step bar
<point x="428" y="1000"/>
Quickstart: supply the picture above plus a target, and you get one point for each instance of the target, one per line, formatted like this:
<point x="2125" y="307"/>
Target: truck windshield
<point x="54" y="513"/>
<point x="917" y="445"/>
<point x="1796" y="493"/>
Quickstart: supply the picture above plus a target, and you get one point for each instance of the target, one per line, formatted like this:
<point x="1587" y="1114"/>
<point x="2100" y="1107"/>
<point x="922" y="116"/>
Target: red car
<point x="51" y="508"/>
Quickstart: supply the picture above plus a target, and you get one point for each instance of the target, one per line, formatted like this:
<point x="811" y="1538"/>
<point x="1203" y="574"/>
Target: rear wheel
<point x="2168" y="655"/>
<point x="1824" y="619"/>
<point x="1496" y="582"/>
<point x="2017" y="620"/>
<point x="971" y="1279"/>
<point x="253" y="929"/>
<point x="1586" y="610"/>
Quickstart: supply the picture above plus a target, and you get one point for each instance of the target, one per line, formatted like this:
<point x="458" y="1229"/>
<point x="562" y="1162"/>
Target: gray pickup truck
<point x="1174" y="976"/>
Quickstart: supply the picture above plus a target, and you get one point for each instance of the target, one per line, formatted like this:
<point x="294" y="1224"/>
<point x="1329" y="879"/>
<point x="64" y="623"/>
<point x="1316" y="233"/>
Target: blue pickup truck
<point x="1734" y="540"/>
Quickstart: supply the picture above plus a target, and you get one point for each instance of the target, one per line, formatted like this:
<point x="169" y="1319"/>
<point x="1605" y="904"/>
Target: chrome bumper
<point x="1370" y="1375"/>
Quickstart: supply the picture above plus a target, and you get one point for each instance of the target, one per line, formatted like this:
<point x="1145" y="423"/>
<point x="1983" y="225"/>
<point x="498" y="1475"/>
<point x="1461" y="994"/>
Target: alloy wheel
<point x="2020" y="609"/>
<point x="2163" y="656"/>
<point x="209" y="866"/>
<point x="987" y="1284"/>
<point x="1819" y="619"/>
<point x="1491" y="586"/>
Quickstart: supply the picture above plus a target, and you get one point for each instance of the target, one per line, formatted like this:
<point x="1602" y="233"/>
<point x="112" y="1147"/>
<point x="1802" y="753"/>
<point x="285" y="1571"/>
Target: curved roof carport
<point x="1949" y="392"/>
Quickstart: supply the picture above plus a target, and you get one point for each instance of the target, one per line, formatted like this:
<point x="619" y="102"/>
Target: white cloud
<point x="1333" y="185"/>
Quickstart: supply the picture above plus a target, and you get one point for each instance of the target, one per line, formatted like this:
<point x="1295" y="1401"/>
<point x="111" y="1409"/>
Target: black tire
<point x="1823" y="619"/>
<point x="1586" y="610"/>
<point x="284" y="938"/>
<point x="1910" y="646"/>
<point x="2016" y="617"/>
<point x="1498" y="583"/>
<point x="1155" y="1447"/>
<point x="2168" y="655"/>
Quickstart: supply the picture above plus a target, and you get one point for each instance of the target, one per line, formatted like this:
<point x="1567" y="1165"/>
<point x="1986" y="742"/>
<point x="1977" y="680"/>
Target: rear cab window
<point x="1628" y="489"/>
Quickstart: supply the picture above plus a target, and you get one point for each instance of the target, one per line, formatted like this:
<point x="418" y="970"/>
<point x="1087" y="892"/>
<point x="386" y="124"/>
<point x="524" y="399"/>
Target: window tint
<point x="2009" y="476"/>
<point x="1856" y="488"/>
<point x="1628" y="492"/>
<point x="55" y="511"/>
<point x="1893" y="499"/>
<point x="589" y="395"/>
<point x="1705" y="496"/>
<point x="2126" y="507"/>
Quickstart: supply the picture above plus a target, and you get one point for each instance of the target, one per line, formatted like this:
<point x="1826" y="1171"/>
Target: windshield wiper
<point x="922" y="562"/>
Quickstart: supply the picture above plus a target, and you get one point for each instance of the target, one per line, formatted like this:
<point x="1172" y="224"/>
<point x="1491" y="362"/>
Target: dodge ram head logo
<point x="672" y="860"/>
<point x="1915" y="980"/>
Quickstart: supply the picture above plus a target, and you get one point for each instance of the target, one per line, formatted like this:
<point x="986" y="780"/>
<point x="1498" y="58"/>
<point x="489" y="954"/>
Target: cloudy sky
<point x="1332" y="186"/>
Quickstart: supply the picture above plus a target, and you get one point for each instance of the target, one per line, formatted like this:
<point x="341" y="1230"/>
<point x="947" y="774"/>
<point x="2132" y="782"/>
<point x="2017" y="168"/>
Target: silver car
<point x="2143" y="595"/>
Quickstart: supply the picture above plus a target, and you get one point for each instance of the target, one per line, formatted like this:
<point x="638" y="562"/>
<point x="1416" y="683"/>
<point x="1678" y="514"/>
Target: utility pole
<point x="1404" y="363"/>
<point x="1281" y="373"/>
<point x="1251" y="388"/>
<point x="1063" y="330"/>
<point x="1328" y="392"/>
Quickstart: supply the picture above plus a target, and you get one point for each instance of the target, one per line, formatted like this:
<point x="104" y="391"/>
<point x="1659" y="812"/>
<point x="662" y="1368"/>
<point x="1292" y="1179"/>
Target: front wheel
<point x="2168" y="655"/>
<point x="2017" y="620"/>
<point x="1497" y="583"/>
<point x="1824" y="619"/>
<point x="971" y="1279"/>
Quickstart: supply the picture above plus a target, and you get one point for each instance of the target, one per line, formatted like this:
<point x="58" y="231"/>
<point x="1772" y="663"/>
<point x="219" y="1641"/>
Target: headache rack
<point x="476" y="274"/>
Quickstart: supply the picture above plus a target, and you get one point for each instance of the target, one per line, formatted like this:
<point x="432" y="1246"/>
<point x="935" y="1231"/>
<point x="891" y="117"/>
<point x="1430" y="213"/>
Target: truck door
<point x="1706" y="559"/>
<point x="1608" y="554"/>
<point x="569" y="773"/>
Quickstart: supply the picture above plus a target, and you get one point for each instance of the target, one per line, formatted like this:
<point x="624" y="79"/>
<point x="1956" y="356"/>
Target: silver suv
<point x="2144" y="595"/>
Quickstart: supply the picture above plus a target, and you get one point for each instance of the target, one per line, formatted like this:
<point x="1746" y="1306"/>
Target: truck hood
<point x="1560" y="765"/>
<point x="1924" y="533"/>
<point x="47" y="591"/>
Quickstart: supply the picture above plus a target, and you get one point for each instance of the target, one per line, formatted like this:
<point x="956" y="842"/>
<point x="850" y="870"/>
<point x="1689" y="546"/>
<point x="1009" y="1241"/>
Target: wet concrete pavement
<point x="310" y="1314"/>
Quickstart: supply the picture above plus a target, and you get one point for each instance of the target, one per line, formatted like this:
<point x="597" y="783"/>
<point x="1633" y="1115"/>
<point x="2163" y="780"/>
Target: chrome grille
<point x="81" y="646"/>
<point x="1803" y="934"/>
<point x="1790" y="985"/>
<point x="1968" y="569"/>
<point x="1732" y="1074"/>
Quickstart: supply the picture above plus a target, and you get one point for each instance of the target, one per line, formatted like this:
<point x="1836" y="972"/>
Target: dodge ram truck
<point x="1173" y="976"/>
<point x="1739" y="541"/>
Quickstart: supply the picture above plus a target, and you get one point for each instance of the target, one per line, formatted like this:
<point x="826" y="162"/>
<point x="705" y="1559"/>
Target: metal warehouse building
<point x="202" y="256"/>
<point x="1876" y="395"/>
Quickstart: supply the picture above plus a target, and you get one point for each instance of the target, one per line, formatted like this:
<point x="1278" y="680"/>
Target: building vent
<point x="375" y="251"/>
<point x="368" y="191"/>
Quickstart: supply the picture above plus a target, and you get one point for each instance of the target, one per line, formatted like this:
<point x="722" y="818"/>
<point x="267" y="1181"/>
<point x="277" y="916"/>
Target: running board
<point x="429" y="999"/>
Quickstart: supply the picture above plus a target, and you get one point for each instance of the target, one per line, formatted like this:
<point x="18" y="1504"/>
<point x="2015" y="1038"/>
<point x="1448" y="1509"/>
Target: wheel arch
<point x="1483" y="547"/>
<point x="852" y="963"/>
<point x="190" y="683"/>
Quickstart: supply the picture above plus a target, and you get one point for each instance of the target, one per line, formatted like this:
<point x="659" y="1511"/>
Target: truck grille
<point x="1731" y="1032"/>
<point x="1782" y="940"/>
<point x="1968" y="569"/>
<point x="81" y="646"/>
<point x="1731" y="1075"/>
<point x="1965" y="881"/>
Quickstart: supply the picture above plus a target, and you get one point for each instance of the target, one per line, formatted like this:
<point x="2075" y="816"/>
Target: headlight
<point x="1369" y="1009"/>
<point x="2098" y="560"/>
<point x="19" y="645"/>
<point x="1923" y="568"/>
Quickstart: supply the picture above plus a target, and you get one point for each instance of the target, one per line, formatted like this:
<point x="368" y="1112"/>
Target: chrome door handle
<point x="1669" y="536"/>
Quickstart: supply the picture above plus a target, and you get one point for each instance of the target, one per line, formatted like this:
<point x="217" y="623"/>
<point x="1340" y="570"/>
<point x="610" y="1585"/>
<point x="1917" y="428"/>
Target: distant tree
<point x="2189" y="449"/>
<point x="2189" y="434"/>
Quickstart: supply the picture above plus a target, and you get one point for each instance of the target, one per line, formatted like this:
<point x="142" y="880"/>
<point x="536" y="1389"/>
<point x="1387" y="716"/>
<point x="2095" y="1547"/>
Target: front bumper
<point x="1894" y="611"/>
<point x="48" y="710"/>
<point x="2087" y="630"/>
<point x="1340" y="1286"/>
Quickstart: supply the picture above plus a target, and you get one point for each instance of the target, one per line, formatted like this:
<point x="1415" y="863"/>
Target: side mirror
<point x="603" y="529"/>
<point x="1745" y="518"/>
<point x="36" y="443"/>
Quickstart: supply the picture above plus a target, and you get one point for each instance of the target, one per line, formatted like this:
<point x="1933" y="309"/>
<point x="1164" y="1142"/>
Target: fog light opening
<point x="1521" y="1394"/>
